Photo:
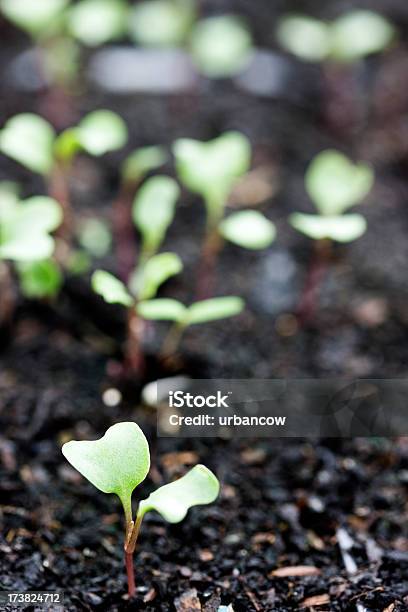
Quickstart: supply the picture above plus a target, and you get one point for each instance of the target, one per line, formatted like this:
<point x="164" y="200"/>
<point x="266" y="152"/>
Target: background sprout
<point x="29" y="140"/>
<point x="248" y="229"/>
<point x="203" y="311"/>
<point x="221" y="46"/>
<point x="39" y="279"/>
<point x="162" y="23"/>
<point x="118" y="462"/>
<point x="95" y="22"/>
<point x="351" y="37"/>
<point x="142" y="161"/>
<point x="37" y="18"/>
<point x="334" y="184"/>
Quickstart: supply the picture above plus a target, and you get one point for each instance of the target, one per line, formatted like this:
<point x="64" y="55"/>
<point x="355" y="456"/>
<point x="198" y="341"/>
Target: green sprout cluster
<point x="119" y="462"/>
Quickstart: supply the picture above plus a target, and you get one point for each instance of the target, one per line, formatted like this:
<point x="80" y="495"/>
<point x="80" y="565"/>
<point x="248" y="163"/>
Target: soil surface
<point x="300" y="524"/>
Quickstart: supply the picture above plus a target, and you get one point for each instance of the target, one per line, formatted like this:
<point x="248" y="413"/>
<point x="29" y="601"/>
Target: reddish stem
<point x="130" y="574"/>
<point x="59" y="190"/>
<point x="134" y="360"/>
<point x="124" y="235"/>
<point x="206" y="271"/>
<point x="309" y="300"/>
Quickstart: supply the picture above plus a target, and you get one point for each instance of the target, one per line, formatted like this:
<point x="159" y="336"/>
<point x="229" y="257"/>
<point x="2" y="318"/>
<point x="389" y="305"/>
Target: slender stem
<point x="125" y="240"/>
<point x="317" y="270"/>
<point x="7" y="302"/>
<point x="172" y="341"/>
<point x="134" y="353"/>
<point x="132" y="540"/>
<point x="59" y="190"/>
<point x="206" y="273"/>
<point x="130" y="572"/>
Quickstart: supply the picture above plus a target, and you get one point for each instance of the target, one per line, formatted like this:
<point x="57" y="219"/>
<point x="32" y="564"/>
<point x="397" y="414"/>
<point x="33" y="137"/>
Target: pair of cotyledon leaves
<point x="120" y="461"/>
<point x="26" y="227"/>
<point x="334" y="184"/>
<point x="348" y="38"/>
<point x="32" y="141"/>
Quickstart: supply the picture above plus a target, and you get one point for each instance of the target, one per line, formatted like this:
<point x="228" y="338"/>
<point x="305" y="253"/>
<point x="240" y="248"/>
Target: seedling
<point x="118" y="462"/>
<point x="334" y="184"/>
<point x="96" y="22"/>
<point x="211" y="169"/>
<point x="162" y="23"/>
<point x="153" y="211"/>
<point x="32" y="141"/>
<point x="182" y="317"/>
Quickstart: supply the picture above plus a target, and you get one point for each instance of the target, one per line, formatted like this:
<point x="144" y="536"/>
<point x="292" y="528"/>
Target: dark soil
<point x="283" y="502"/>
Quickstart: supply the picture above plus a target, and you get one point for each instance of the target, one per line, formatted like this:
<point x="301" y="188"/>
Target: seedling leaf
<point x="95" y="22"/>
<point x="163" y="309"/>
<point x="221" y="46"/>
<point x="29" y="139"/>
<point x="161" y="23"/>
<point x="95" y="237"/>
<point x="214" y="309"/>
<point x="157" y="270"/>
<point x="248" y="229"/>
<point x="335" y="184"/>
<point x="360" y="33"/>
<point x="211" y="168"/>
<point x="153" y="210"/>
<point x="102" y="131"/>
<point x="141" y="162"/>
<point x="342" y="228"/>
<point x="26" y="230"/>
<point x="198" y="487"/>
<point x="305" y="37"/>
<point x="33" y="16"/>
<point x="110" y="288"/>
<point x="116" y="463"/>
<point x="39" y="279"/>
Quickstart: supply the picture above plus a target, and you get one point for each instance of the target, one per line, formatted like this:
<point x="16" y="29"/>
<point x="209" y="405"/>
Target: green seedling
<point x="133" y="171"/>
<point x="334" y="184"/>
<point x="221" y="46"/>
<point x="350" y="37"/>
<point x="162" y="23"/>
<point x="182" y="317"/>
<point x="153" y="212"/>
<point x="96" y="22"/>
<point x="118" y="462"/>
<point x="211" y="169"/>
<point x="33" y="142"/>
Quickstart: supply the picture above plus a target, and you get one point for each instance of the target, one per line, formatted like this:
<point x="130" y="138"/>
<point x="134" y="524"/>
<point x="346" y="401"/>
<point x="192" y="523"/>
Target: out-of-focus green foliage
<point x="95" y="22"/>
<point x="39" y="279"/>
<point x="162" y="23"/>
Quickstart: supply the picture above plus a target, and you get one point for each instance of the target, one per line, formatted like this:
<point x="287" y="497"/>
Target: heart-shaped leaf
<point x="116" y="463"/>
<point x="198" y="487"/>
<point x="95" y="22"/>
<point x="344" y="228"/>
<point x="29" y="140"/>
<point x="221" y="46"/>
<point x="159" y="268"/>
<point x="111" y="288"/>
<point x="211" y="168"/>
<point x="33" y="16"/>
<point x="102" y="131"/>
<point x="153" y="210"/>
<point x="25" y="234"/>
<point x="305" y="37"/>
<point x="248" y="229"/>
<point x="359" y="33"/>
<point x="335" y="184"/>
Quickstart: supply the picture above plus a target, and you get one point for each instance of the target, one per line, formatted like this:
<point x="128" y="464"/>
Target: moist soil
<point x="274" y="541"/>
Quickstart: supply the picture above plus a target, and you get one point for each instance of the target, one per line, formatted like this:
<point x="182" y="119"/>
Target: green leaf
<point x="163" y="309"/>
<point x="198" y="487"/>
<point x="360" y="33"/>
<point x="161" y="23"/>
<point x="29" y="140"/>
<point x="95" y="237"/>
<point x="25" y="234"/>
<point x="214" y="309"/>
<point x="221" y="46"/>
<point x="154" y="209"/>
<point x="110" y="288"/>
<point x="116" y="463"/>
<point x="248" y="229"/>
<point x="33" y="16"/>
<point x="39" y="279"/>
<point x="157" y="270"/>
<point x="211" y="168"/>
<point x="141" y="162"/>
<point x="8" y="201"/>
<point x="305" y="37"/>
<point x="335" y="184"/>
<point x="102" y="131"/>
<point x="344" y="228"/>
<point x="67" y="145"/>
<point x="95" y="22"/>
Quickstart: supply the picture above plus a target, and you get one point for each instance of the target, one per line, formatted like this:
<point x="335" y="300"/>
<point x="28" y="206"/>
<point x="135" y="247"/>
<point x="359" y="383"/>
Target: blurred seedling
<point x="334" y="184"/>
<point x="340" y="45"/>
<point x="153" y="211"/>
<point x="211" y="169"/>
<point x="26" y="241"/>
<point x="118" y="462"/>
<point x="32" y="141"/>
